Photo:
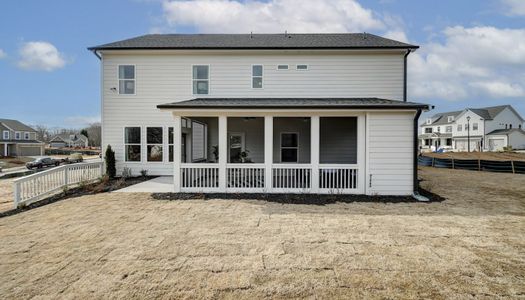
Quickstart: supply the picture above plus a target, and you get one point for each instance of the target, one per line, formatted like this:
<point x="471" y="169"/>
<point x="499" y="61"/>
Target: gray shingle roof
<point x="487" y="113"/>
<point x="257" y="41"/>
<point x="294" y="103"/>
<point x="505" y="131"/>
<point x="16" y="125"/>
<point x="66" y="137"/>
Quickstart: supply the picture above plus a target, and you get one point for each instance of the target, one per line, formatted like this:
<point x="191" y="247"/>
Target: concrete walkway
<point x="163" y="184"/>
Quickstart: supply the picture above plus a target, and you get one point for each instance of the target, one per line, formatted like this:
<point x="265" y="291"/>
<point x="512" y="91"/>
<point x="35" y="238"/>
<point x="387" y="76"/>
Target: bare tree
<point x="94" y="134"/>
<point x="42" y="133"/>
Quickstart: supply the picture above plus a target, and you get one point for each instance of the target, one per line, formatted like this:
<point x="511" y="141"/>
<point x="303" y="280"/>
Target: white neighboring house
<point x="273" y="113"/>
<point x="491" y="129"/>
<point x="18" y="139"/>
<point x="69" y="140"/>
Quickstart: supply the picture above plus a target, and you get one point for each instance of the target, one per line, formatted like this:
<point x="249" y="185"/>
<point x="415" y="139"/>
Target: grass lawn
<point x="116" y="245"/>
<point x="12" y="162"/>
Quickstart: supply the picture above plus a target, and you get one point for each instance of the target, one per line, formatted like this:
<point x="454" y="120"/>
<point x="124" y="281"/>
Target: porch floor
<point x="162" y="184"/>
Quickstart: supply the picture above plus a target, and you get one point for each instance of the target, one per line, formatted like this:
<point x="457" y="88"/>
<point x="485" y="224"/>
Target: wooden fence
<point x="31" y="188"/>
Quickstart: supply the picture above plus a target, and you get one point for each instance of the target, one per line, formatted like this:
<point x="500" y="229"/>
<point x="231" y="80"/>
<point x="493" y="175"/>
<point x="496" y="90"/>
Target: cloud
<point x="81" y="121"/>
<point x="471" y="62"/>
<point x="40" y="56"/>
<point x="514" y="7"/>
<point x="2" y="54"/>
<point x="297" y="16"/>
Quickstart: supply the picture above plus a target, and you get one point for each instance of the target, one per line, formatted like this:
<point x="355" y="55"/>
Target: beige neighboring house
<point x="18" y="139"/>
<point x="69" y="140"/>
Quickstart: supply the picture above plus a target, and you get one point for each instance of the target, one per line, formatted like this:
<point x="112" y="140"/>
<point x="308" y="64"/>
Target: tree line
<point x="93" y="132"/>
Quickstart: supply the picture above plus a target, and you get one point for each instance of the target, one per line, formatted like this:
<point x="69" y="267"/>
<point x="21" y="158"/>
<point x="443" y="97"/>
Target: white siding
<point x="506" y="116"/>
<point x="390" y="153"/>
<point x="163" y="78"/>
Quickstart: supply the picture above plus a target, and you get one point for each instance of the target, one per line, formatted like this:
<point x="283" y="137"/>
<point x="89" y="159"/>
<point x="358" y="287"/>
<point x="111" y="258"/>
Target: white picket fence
<point x="29" y="189"/>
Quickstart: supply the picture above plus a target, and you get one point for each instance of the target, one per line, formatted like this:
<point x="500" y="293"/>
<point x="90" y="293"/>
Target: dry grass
<point x="11" y="162"/>
<point x="479" y="155"/>
<point x="131" y="246"/>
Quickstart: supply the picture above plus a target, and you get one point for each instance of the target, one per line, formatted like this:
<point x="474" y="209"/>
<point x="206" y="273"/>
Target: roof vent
<point x="251" y="34"/>
<point x="364" y="35"/>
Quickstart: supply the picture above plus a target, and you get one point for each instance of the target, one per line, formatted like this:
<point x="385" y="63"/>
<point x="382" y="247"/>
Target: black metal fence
<point x="509" y="166"/>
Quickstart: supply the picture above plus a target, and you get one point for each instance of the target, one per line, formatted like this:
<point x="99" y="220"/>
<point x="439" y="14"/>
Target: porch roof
<point x="293" y="103"/>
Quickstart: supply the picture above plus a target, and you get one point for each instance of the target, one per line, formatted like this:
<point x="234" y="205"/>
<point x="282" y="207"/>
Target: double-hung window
<point x="428" y="130"/>
<point x="126" y="79"/>
<point x="448" y="129"/>
<point x="6" y="135"/>
<point x="170" y="144"/>
<point x="201" y="80"/>
<point x="132" y="146"/>
<point x="474" y="126"/>
<point x="301" y="67"/>
<point x="466" y="126"/>
<point x="26" y="135"/>
<point x="18" y="135"/>
<point x="257" y="76"/>
<point x="289" y="147"/>
<point x="154" y="143"/>
<point x="460" y="127"/>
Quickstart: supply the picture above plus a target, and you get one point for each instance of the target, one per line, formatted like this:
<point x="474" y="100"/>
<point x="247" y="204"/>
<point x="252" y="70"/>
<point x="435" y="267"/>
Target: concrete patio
<point x="162" y="184"/>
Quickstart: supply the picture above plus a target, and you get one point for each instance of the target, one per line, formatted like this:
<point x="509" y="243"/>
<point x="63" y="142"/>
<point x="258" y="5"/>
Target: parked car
<point x="74" y="158"/>
<point x="42" y="162"/>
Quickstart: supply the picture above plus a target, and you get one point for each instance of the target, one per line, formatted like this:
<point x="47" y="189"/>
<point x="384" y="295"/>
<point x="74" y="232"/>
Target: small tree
<point x="111" y="170"/>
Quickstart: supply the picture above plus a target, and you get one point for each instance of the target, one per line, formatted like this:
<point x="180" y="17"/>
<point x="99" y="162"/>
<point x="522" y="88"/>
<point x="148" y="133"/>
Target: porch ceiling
<point x="292" y="103"/>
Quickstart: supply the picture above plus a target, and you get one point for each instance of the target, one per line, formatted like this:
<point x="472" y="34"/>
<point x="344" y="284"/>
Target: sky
<point x="472" y="53"/>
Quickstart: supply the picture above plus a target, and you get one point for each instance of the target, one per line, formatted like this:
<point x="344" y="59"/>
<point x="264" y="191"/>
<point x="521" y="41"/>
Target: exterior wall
<point x="506" y="116"/>
<point x="462" y="120"/>
<point x="390" y="153"/>
<point x="162" y="78"/>
<point x="517" y="140"/>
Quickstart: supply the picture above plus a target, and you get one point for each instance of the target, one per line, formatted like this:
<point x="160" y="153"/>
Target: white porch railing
<point x="291" y="177"/>
<point x="198" y="177"/>
<point x="245" y="177"/>
<point x="337" y="178"/>
<point x="29" y="189"/>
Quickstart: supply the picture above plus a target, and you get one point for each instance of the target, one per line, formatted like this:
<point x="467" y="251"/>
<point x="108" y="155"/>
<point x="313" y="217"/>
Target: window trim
<point x="475" y="126"/>
<point x="148" y="144"/>
<point x="281" y="147"/>
<point x="193" y="80"/>
<point x="287" y="67"/>
<point x="134" y="79"/>
<point x="18" y="135"/>
<point x="6" y="136"/>
<point x="262" y="77"/>
<point x="140" y="144"/>
<point x="27" y="135"/>
<point x="447" y="127"/>
<point x="429" y="130"/>
<point x="297" y="67"/>
<point x="450" y="119"/>
<point x="243" y="142"/>
<point x="459" y="127"/>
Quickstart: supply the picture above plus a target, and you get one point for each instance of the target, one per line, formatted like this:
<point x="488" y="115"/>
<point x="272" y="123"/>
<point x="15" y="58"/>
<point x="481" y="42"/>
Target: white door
<point x="496" y="144"/>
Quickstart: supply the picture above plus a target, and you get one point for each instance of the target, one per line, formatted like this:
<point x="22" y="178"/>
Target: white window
<point x="439" y="129"/>
<point x="301" y="67"/>
<point x="428" y="130"/>
<point x="170" y="144"/>
<point x="26" y="135"/>
<point x="448" y="129"/>
<point x="289" y="147"/>
<point x="460" y="127"/>
<point x="18" y="135"/>
<point x="450" y="118"/>
<point x="282" y="67"/>
<point x="201" y="80"/>
<point x="466" y="126"/>
<point x="6" y="134"/>
<point x="126" y="80"/>
<point x="132" y="145"/>
<point x="475" y="126"/>
<point x="429" y="121"/>
<point x="154" y="143"/>
<point x="257" y="76"/>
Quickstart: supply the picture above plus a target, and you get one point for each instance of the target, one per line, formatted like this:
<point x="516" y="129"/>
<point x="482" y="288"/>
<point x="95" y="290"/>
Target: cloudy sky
<point x="472" y="52"/>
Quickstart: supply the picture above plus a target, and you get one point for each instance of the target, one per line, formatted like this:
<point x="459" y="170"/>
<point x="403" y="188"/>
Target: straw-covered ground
<point x="115" y="245"/>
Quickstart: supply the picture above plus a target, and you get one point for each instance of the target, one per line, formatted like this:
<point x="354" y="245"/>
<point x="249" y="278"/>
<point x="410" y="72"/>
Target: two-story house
<point x="18" y="139"/>
<point x="487" y="129"/>
<point x="293" y="113"/>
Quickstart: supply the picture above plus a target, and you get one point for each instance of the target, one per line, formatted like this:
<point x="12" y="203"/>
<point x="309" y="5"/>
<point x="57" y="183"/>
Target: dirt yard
<point x="6" y="194"/>
<point x="479" y="155"/>
<point x="469" y="246"/>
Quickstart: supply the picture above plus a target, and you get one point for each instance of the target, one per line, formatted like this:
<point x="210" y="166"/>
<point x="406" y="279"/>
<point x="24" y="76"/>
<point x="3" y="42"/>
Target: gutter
<point x="95" y="52"/>
<point x="416" y="194"/>
<point x="405" y="75"/>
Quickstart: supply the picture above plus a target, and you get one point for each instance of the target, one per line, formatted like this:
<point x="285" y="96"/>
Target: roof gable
<point x="16" y="125"/>
<point x="256" y="41"/>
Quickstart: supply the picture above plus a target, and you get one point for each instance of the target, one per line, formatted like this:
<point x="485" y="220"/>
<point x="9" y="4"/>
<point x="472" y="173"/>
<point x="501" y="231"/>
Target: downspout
<point x="96" y="54"/>
<point x="405" y="75"/>
<point x="416" y="194"/>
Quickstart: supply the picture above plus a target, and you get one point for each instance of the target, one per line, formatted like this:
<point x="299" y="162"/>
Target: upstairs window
<point x="448" y="129"/>
<point x="474" y="126"/>
<point x="439" y="129"/>
<point x="466" y="126"/>
<point x="154" y="143"/>
<point x="126" y="80"/>
<point x="132" y="146"/>
<point x="282" y="67"/>
<point x="18" y="135"/>
<point x="6" y="135"/>
<point x="460" y="127"/>
<point x="301" y="67"/>
<point x="428" y="130"/>
<point x="257" y="76"/>
<point x="201" y="80"/>
<point x="429" y="121"/>
<point x="450" y="118"/>
<point x="26" y="135"/>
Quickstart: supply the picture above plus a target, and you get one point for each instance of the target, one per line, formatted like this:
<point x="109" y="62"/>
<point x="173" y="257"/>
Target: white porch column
<point x="223" y="151"/>
<point x="314" y="152"/>
<point x="177" y="155"/>
<point x="362" y="153"/>
<point x="268" y="152"/>
<point x="5" y="149"/>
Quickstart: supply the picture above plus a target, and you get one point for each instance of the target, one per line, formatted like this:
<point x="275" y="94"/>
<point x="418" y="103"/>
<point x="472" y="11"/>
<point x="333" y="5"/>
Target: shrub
<point x="111" y="169"/>
<point x="126" y="173"/>
<point x="144" y="173"/>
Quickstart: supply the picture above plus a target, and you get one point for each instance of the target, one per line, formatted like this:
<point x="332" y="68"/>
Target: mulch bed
<point x="89" y="189"/>
<point x="311" y="199"/>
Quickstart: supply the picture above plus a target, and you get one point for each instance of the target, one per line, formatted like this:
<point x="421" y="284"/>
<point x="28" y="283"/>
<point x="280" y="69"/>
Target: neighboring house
<point x="293" y="113"/>
<point x="69" y="140"/>
<point x="18" y="139"/>
<point x="491" y="129"/>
